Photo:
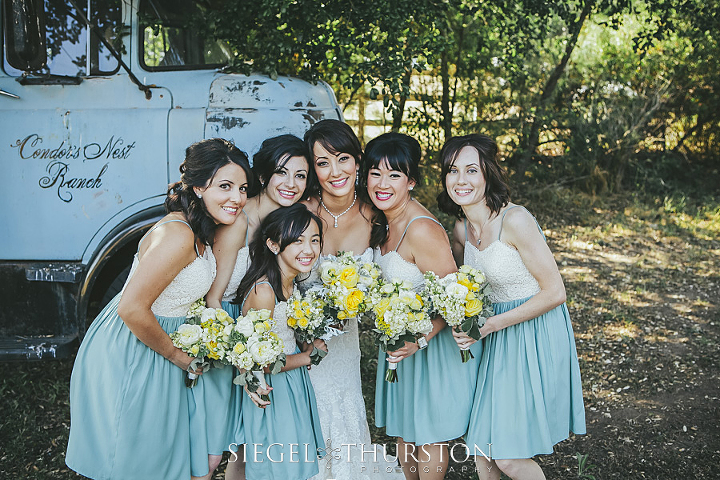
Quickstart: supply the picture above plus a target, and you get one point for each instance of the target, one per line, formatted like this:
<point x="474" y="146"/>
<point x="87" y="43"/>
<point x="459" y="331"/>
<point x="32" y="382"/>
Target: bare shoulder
<point x="233" y="234"/>
<point x="519" y="226"/>
<point x="172" y="232"/>
<point x="261" y="296"/>
<point x="425" y="235"/>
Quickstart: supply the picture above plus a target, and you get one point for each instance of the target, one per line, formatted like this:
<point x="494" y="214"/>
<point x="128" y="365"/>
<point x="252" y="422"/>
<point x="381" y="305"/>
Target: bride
<point x="336" y="153"/>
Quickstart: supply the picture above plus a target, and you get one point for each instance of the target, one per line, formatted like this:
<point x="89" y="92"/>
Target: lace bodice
<point x="190" y="284"/>
<point x="504" y="269"/>
<point x="280" y="327"/>
<point x="395" y="267"/>
<point x="241" y="266"/>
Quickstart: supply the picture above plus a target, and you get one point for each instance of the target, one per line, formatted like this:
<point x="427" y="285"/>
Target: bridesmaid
<point x="430" y="404"/>
<point x="283" y="170"/>
<point x="528" y="395"/>
<point x="287" y="428"/>
<point x="128" y="401"/>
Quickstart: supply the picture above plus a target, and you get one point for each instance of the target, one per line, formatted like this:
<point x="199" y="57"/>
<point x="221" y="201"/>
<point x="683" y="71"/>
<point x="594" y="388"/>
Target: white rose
<point x="207" y="314"/>
<point x="189" y="334"/>
<point x="456" y="290"/>
<point x="245" y="327"/>
<point x="262" y="352"/>
<point x="244" y="360"/>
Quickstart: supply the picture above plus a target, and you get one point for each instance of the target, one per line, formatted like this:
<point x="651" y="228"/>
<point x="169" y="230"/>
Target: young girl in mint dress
<point x="529" y="394"/>
<point x="282" y="170"/>
<point x="430" y="403"/>
<point x="129" y="414"/>
<point x="287" y="243"/>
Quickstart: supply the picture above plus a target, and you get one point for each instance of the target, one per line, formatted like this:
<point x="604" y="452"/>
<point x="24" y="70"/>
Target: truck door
<point x="82" y="148"/>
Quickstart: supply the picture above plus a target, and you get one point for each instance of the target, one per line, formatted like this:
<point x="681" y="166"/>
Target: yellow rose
<point x="342" y="315"/>
<point x="260" y="327"/>
<point x="223" y="317"/>
<point x="291" y="321"/>
<point x="348" y="277"/>
<point x="303" y="322"/>
<point x="194" y="350"/>
<point x="212" y="346"/>
<point x="470" y="297"/>
<point x="473" y="307"/>
<point x="353" y="300"/>
<point x="465" y="283"/>
<point x="239" y="348"/>
<point x="382" y="307"/>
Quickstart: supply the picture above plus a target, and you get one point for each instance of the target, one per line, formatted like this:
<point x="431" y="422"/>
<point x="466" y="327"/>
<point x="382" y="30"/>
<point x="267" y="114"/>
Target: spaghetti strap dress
<point x="529" y="393"/>
<point x="431" y="401"/>
<point x="214" y="401"/>
<point x="128" y="404"/>
<point x="283" y="440"/>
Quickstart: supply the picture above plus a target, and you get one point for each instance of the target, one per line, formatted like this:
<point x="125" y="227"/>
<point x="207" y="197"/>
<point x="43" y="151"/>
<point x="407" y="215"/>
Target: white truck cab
<point x="98" y="101"/>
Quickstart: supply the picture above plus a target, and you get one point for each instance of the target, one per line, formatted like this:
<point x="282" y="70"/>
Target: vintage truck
<point x="98" y="101"/>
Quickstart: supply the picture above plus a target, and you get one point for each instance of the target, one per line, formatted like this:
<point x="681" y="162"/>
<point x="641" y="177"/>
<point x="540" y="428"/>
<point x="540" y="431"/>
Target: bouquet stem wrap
<point x="391" y="372"/>
<point x="263" y="384"/>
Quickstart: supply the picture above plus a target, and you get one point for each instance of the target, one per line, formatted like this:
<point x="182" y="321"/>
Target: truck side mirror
<point x="25" y="34"/>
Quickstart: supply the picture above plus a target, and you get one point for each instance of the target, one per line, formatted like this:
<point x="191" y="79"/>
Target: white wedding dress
<point x="338" y="391"/>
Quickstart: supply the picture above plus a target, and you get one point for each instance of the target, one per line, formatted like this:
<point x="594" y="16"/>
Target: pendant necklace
<point x="343" y="213"/>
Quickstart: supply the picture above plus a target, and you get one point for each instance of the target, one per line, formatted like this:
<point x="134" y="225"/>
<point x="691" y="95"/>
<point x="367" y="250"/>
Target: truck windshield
<point x="171" y="43"/>
<point x="71" y="49"/>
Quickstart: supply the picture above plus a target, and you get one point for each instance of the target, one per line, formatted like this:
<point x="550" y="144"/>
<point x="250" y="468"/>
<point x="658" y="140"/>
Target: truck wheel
<point x="115" y="286"/>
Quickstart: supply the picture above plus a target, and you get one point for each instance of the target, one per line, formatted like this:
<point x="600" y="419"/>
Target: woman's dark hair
<point x="335" y="137"/>
<point x="497" y="190"/>
<point x="274" y="153"/>
<point x="202" y="161"/>
<point x="283" y="226"/>
<point x="402" y="153"/>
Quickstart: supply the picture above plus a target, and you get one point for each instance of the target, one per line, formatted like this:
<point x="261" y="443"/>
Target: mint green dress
<point x="128" y="404"/>
<point x="431" y="401"/>
<point x="529" y="392"/>
<point x="214" y="401"/>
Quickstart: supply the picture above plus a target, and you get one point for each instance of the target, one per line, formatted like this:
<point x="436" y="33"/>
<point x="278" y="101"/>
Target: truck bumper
<point x="37" y="348"/>
<point x="39" y="318"/>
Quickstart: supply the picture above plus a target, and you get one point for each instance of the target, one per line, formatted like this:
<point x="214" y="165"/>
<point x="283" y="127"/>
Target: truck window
<point x="171" y="43"/>
<point x="71" y="48"/>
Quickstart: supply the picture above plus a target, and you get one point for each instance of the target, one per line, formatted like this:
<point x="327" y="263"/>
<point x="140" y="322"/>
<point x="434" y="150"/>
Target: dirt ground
<point x="643" y="287"/>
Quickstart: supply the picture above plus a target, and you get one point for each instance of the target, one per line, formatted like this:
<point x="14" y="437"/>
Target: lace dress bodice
<point x="190" y="284"/>
<point x="241" y="266"/>
<point x="504" y="269"/>
<point x="280" y="327"/>
<point x="395" y="267"/>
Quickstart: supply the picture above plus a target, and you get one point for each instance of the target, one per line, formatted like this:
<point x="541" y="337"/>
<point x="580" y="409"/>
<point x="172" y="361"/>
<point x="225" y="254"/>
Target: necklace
<point x="479" y="237"/>
<point x="343" y="213"/>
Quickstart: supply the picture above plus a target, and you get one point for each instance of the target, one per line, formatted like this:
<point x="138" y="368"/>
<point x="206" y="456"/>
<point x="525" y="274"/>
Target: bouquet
<point x="254" y="347"/>
<point x="399" y="317"/>
<point x="462" y="300"/>
<point x="205" y="336"/>
<point x="310" y="316"/>
<point x="346" y="284"/>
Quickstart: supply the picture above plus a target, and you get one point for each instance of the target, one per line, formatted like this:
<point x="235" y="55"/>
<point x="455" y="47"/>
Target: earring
<point x="411" y="187"/>
<point x="199" y="195"/>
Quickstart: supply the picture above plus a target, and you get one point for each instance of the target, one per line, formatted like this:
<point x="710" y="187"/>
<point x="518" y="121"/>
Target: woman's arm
<point x="229" y="239"/>
<point x="458" y="243"/>
<point x="168" y="249"/>
<point x="431" y="251"/>
<point x="521" y="232"/>
<point x="263" y="297"/>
